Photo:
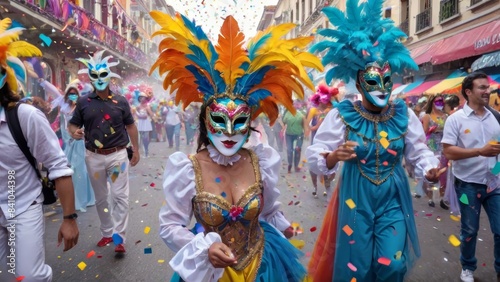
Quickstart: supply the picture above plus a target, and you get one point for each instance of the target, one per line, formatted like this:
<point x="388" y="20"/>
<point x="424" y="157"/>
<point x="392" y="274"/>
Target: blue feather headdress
<point x="360" y="37"/>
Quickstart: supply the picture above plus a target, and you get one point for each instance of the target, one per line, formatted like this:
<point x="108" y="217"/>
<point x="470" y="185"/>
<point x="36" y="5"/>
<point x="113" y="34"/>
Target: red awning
<point x="429" y="52"/>
<point x="477" y="41"/>
<point x="421" y="88"/>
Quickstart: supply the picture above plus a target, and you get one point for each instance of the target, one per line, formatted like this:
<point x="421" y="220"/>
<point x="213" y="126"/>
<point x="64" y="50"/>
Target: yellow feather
<point x="230" y="50"/>
<point x="5" y="24"/>
<point x="23" y="49"/>
<point x="6" y="38"/>
<point x="310" y="60"/>
<point x="11" y="79"/>
<point x="171" y="25"/>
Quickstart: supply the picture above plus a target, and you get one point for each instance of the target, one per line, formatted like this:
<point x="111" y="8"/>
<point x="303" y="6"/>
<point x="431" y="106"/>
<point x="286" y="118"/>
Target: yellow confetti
<point x="147" y="229"/>
<point x="82" y="265"/>
<point x="454" y="218"/>
<point x="398" y="255"/>
<point x="98" y="144"/>
<point x="299" y="244"/>
<point x="350" y="203"/>
<point x="384" y="143"/>
<point x="112" y="130"/>
<point x="347" y="230"/>
<point x="58" y="257"/>
<point x="106" y="210"/>
<point x="383" y="134"/>
<point x="454" y="240"/>
<point x="161" y="261"/>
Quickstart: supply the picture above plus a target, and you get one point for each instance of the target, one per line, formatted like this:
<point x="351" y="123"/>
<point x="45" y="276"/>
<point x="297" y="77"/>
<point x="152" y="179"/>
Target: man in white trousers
<point x="22" y="248"/>
<point x="107" y="123"/>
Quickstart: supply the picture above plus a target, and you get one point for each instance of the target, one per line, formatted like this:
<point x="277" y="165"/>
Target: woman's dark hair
<point x="468" y="82"/>
<point x="7" y="97"/>
<point x="430" y="103"/>
<point x="452" y="101"/>
<point x="203" y="140"/>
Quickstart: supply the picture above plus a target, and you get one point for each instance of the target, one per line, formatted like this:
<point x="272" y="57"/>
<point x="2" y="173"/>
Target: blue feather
<point x="249" y="80"/>
<point x="336" y="17"/>
<point x="219" y="82"/>
<point x="255" y="97"/>
<point x="19" y="71"/>
<point x="255" y="47"/>
<point x="204" y="85"/>
<point x="353" y="11"/>
<point x="334" y="33"/>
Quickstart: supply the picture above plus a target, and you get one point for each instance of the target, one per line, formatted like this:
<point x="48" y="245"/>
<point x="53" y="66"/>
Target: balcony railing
<point x="87" y="26"/>
<point x="448" y="8"/>
<point x="405" y="26"/>
<point x="424" y="19"/>
<point x="320" y="4"/>
<point x="474" y="2"/>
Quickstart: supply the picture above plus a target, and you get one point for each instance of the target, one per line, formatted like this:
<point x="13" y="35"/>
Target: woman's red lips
<point x="228" y="143"/>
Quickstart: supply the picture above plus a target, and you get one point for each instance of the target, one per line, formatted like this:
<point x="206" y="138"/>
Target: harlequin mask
<point x="99" y="71"/>
<point x="228" y="124"/>
<point x="376" y="83"/>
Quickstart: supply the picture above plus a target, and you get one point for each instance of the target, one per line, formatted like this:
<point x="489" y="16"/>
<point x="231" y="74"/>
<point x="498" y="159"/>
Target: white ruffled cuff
<point x="324" y="169"/>
<point x="192" y="263"/>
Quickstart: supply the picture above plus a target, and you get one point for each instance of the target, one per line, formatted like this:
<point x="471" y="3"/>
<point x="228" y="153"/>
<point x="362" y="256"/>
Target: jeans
<point x="293" y="152"/>
<point x="477" y="195"/>
<point x="189" y="132"/>
<point x="173" y="130"/>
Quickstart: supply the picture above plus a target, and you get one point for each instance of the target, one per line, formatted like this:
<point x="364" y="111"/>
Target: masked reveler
<point x="231" y="191"/>
<point x="369" y="232"/>
<point x="108" y="123"/>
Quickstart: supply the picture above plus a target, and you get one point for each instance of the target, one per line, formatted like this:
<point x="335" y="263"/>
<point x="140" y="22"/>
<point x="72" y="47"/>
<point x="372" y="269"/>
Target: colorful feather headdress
<point x="361" y="36"/>
<point x="10" y="49"/>
<point x="97" y="63"/>
<point x="264" y="74"/>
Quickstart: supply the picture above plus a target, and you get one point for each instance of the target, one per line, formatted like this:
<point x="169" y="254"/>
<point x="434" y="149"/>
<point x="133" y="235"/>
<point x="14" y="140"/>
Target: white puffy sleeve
<point x="416" y="150"/>
<point x="330" y="136"/>
<point x="270" y="162"/>
<point x="191" y="258"/>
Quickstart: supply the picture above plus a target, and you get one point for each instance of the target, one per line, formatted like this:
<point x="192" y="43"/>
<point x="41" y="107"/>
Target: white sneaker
<point x="467" y="275"/>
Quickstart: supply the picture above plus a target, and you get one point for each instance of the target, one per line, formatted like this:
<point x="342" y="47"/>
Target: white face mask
<point x="440" y="108"/>
<point x="227" y="145"/>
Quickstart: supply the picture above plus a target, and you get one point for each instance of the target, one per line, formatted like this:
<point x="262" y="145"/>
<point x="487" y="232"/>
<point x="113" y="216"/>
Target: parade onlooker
<point x="191" y="114"/>
<point x="433" y="123"/>
<point x="451" y="105"/>
<point x="321" y="105"/>
<point x="294" y="136"/>
<point x="159" y="121"/>
<point x="107" y="119"/>
<point x="172" y="124"/>
<point x="21" y="197"/>
<point x="144" y="124"/>
<point x="470" y="140"/>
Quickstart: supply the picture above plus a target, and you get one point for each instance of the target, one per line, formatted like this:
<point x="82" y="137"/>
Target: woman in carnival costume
<point x="369" y="232"/>
<point x="321" y="103"/>
<point x="231" y="191"/>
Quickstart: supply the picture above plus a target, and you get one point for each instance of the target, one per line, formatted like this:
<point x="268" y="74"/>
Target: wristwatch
<point x="71" y="216"/>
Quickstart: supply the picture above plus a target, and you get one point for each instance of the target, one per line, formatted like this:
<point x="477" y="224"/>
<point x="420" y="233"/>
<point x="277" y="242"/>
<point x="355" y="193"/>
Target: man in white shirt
<point x="471" y="140"/>
<point x="22" y="251"/>
<point x="172" y="124"/>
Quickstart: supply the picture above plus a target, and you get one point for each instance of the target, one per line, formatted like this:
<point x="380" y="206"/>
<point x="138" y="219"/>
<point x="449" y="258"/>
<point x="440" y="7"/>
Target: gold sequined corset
<point x="238" y="225"/>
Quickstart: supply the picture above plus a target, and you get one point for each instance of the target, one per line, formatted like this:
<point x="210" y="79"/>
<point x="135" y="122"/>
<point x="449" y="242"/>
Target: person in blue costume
<point x="369" y="232"/>
<point x="231" y="190"/>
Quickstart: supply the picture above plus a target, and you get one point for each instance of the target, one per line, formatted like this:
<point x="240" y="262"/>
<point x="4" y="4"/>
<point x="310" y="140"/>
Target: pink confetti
<point x="428" y="214"/>
<point x="313" y="229"/>
<point x="352" y="267"/>
<point x="384" y="261"/>
<point x="152" y="184"/>
<point x="392" y="152"/>
<point x="385" y="163"/>
<point x="91" y="254"/>
<point x="144" y="205"/>
<point x="352" y="242"/>
<point x="363" y="161"/>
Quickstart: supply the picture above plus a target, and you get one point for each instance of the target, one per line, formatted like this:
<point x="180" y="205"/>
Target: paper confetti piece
<point x="385" y="163"/>
<point x="398" y="255"/>
<point x="296" y="203"/>
<point x="454" y="218"/>
<point x="291" y="203"/>
<point x="363" y="161"/>
<point x="353" y="279"/>
<point x="383" y="134"/>
<point x="148" y="251"/>
<point x="467" y="131"/>
<point x="152" y="184"/>
<point x="96" y="175"/>
<point x="384" y="143"/>
<point x="347" y="230"/>
<point x="299" y="244"/>
<point x="438" y="218"/>
<point x="45" y="39"/>
<point x="217" y="180"/>
<point x="90" y="254"/>
<point x="137" y="242"/>
<point x="144" y="205"/>
<point x="313" y="229"/>
<point x="82" y="265"/>
<point x="352" y="267"/>
<point x="352" y="242"/>
<point x="117" y="239"/>
<point x="114" y="176"/>
<point x="384" y="261"/>
<point x="147" y="229"/>
<point x="123" y="167"/>
<point x="350" y="203"/>
<point x="106" y="210"/>
<point x="496" y="169"/>
<point x="98" y="144"/>
<point x="161" y="261"/>
<point x="392" y="152"/>
<point x="20" y="278"/>
<point x="464" y="199"/>
<point x="454" y="240"/>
